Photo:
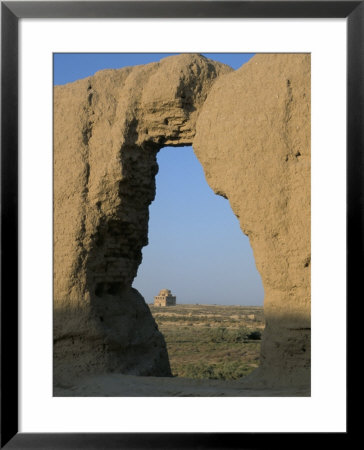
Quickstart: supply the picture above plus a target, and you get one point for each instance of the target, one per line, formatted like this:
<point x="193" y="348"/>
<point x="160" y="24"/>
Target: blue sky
<point x="70" y="67"/>
<point x="196" y="247"/>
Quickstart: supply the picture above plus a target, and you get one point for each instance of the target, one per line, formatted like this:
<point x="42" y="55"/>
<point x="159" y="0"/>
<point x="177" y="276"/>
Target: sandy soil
<point x="115" y="385"/>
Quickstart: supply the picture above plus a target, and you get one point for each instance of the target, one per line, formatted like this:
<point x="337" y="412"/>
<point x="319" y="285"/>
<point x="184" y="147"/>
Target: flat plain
<point x="211" y="341"/>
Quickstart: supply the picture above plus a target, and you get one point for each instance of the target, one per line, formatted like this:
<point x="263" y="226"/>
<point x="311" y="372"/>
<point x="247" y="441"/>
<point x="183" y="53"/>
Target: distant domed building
<point x="165" y="298"/>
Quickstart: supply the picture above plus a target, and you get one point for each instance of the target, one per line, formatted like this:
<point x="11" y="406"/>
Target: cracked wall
<point x="250" y="130"/>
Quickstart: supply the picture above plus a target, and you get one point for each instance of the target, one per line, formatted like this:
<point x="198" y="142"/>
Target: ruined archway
<point x="250" y="131"/>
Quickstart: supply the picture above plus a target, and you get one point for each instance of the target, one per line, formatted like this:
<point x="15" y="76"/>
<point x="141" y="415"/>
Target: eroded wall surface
<point x="253" y="141"/>
<point x="250" y="129"/>
<point x="107" y="131"/>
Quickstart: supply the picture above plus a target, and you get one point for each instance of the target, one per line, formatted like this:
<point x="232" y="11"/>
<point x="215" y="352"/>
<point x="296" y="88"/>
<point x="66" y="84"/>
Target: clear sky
<point x="196" y="247"/>
<point x="70" y="67"/>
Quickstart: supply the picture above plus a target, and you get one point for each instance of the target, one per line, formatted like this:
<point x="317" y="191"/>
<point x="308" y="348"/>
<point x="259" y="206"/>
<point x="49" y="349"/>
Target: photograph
<point x="181" y="219"/>
<point x="181" y="224"/>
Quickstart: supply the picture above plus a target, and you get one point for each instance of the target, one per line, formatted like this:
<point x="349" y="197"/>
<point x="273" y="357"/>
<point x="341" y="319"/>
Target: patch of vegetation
<point x="214" y="342"/>
<point x="255" y="335"/>
<point x="230" y="370"/>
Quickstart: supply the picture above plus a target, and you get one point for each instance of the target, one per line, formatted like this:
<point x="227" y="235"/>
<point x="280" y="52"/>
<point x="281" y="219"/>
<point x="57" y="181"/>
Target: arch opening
<point x="197" y="250"/>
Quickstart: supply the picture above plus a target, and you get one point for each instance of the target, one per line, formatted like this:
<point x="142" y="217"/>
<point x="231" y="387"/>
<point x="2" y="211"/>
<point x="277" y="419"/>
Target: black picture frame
<point x="11" y="12"/>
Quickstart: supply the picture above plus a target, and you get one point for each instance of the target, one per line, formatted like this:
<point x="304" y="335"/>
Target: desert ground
<point x="211" y="349"/>
<point x="211" y="341"/>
